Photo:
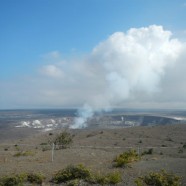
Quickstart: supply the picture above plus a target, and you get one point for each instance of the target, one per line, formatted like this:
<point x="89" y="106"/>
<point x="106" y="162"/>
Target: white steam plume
<point x="132" y="64"/>
<point x="84" y="114"/>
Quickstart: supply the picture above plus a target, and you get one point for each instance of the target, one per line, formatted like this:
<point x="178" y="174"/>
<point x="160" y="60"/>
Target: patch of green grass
<point x="125" y="158"/>
<point x="161" y="178"/>
<point x="24" y="153"/>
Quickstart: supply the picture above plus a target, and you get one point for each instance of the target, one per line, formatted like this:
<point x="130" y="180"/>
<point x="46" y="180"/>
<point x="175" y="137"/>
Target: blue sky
<point x="32" y="29"/>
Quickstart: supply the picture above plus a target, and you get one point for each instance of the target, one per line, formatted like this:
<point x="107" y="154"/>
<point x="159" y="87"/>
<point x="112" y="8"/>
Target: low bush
<point x="62" y="140"/>
<point x="21" y="179"/>
<point x="161" y="178"/>
<point x="125" y="158"/>
<point x="110" y="178"/>
<point x="73" y="175"/>
<point x="14" y="180"/>
<point x="35" y="178"/>
<point x="75" y="182"/>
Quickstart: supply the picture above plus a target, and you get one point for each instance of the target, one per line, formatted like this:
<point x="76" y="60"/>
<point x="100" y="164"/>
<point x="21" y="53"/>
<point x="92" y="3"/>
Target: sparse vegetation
<point x="180" y="150"/>
<point x="184" y="146"/>
<point x="125" y="158"/>
<point x="10" y="181"/>
<point x="63" y="140"/>
<point x="149" y="151"/>
<point x="17" y="147"/>
<point x="110" y="178"/>
<point x="35" y="178"/>
<point x="45" y="146"/>
<point x="103" y="151"/>
<point x="24" y="153"/>
<point x="73" y="174"/>
<point x="44" y="143"/>
<point x="169" y="139"/>
<point x="161" y="178"/>
<point x="21" y="179"/>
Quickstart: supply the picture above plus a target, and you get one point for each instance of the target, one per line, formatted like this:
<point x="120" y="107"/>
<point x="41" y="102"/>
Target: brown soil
<point x="96" y="149"/>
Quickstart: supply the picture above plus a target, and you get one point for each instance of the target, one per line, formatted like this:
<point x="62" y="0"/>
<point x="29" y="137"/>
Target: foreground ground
<point x="96" y="149"/>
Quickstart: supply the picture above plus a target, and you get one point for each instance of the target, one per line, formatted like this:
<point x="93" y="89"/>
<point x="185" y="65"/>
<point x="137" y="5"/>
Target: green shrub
<point x="13" y="180"/>
<point x="21" y="179"/>
<point x="125" y="158"/>
<point x="63" y="140"/>
<point x="75" y="182"/>
<point x="110" y="178"/>
<point x="35" y="178"/>
<point x="161" y="178"/>
<point x="114" y="178"/>
<point x="73" y="175"/>
<point x="70" y="173"/>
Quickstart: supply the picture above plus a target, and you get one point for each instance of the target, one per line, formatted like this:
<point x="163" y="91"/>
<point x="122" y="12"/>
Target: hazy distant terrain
<point x="97" y="145"/>
<point x="46" y="120"/>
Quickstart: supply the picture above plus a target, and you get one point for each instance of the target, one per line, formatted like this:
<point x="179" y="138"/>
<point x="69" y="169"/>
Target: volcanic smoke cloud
<point x="126" y="66"/>
<point x="144" y="65"/>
